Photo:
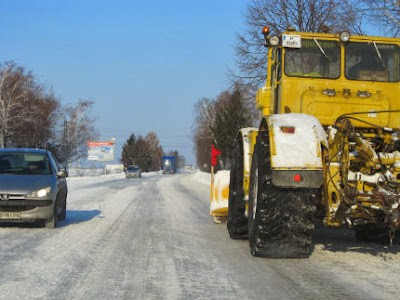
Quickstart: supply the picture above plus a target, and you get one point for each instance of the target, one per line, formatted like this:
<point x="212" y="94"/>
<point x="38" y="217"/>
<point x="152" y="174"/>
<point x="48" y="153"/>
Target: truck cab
<point x="168" y="164"/>
<point x="327" y="75"/>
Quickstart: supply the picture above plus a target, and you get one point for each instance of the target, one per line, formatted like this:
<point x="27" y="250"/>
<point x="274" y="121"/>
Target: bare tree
<point x="205" y="116"/>
<point x="36" y="132"/>
<point x="305" y="15"/>
<point x="385" y="14"/>
<point x="15" y="88"/>
<point x="233" y="112"/>
<point x="205" y="111"/>
<point x="77" y="130"/>
<point x="218" y="122"/>
<point x="30" y="116"/>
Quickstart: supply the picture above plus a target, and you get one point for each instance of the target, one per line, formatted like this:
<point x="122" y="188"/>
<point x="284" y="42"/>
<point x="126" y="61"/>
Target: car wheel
<point x="63" y="213"/>
<point x="52" y="221"/>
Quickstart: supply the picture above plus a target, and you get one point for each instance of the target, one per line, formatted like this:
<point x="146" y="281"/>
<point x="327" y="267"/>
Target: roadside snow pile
<point x="77" y="180"/>
<point x="92" y="179"/>
<point x="201" y="177"/>
<point x="84" y="172"/>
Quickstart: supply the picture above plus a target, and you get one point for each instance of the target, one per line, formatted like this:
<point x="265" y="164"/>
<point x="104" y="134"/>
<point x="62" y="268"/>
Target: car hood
<point x="22" y="184"/>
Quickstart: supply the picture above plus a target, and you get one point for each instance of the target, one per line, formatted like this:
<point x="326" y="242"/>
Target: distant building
<point x="114" y="168"/>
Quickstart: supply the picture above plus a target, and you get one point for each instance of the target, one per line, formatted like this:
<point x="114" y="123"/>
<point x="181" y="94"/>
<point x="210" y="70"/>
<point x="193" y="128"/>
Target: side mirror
<point x="62" y="174"/>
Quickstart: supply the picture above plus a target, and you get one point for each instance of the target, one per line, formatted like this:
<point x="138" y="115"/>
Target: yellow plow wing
<point x="219" y="196"/>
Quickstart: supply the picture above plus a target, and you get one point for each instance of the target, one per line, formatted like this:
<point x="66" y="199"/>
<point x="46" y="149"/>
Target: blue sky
<point x="144" y="64"/>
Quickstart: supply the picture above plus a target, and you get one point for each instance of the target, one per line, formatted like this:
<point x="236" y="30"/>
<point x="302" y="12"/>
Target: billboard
<point x="101" y="151"/>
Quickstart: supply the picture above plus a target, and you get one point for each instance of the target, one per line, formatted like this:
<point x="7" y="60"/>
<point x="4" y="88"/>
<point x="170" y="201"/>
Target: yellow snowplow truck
<point x="327" y="144"/>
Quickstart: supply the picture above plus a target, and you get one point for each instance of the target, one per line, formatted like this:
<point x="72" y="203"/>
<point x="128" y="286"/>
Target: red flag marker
<point x="214" y="154"/>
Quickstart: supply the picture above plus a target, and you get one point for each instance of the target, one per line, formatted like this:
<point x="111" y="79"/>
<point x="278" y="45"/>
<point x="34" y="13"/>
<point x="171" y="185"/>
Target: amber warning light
<point x="265" y="30"/>
<point x="286" y="129"/>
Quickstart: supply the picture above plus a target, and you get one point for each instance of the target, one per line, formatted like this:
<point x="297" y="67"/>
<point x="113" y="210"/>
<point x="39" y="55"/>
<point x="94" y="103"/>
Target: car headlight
<point x="39" y="193"/>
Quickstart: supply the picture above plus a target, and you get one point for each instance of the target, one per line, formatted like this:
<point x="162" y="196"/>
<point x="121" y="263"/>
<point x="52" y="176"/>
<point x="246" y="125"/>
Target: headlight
<point x="345" y="36"/>
<point x="39" y="193"/>
<point x="274" y="40"/>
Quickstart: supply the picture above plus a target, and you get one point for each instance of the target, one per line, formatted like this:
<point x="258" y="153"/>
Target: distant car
<point x="33" y="187"/>
<point x="133" y="171"/>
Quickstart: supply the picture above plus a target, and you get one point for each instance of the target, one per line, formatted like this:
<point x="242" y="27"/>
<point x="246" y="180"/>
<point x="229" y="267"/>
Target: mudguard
<point x="295" y="149"/>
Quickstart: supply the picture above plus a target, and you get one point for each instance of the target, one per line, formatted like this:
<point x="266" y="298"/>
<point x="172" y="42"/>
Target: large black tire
<point x="280" y="220"/>
<point x="237" y="221"/>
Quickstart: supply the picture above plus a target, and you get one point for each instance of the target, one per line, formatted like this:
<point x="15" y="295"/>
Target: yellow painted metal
<point x="332" y="188"/>
<point x="306" y="95"/>
<point x="305" y="167"/>
<point x="222" y="212"/>
<point x="263" y="100"/>
<point x="252" y="136"/>
<point x="219" y="194"/>
<point x="272" y="140"/>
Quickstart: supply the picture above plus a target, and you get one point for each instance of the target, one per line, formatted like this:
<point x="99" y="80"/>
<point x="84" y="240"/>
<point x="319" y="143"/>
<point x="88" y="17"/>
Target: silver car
<point x="32" y="187"/>
<point x="133" y="171"/>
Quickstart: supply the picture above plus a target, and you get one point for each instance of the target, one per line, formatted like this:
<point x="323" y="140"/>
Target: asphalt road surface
<point x="153" y="238"/>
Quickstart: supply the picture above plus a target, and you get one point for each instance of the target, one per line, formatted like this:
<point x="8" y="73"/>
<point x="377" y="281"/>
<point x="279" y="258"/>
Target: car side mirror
<point x="62" y="174"/>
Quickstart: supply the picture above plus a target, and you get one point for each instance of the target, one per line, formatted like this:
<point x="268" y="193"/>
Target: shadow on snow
<point x="344" y="240"/>
<point x="79" y="216"/>
<point x="73" y="217"/>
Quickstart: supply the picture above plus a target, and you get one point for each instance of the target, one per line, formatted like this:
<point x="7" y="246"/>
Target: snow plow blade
<point x="219" y="197"/>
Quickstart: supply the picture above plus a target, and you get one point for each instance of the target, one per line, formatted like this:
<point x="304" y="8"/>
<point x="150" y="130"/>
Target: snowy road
<point x="152" y="238"/>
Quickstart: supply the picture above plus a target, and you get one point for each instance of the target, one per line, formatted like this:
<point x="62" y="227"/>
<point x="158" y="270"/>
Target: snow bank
<point x="77" y="180"/>
<point x="201" y="177"/>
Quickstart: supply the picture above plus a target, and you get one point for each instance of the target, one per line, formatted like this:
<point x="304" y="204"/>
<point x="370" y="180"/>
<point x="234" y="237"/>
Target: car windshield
<point x="24" y="163"/>
<point x="372" y="61"/>
<point x="315" y="59"/>
<point x="133" y="169"/>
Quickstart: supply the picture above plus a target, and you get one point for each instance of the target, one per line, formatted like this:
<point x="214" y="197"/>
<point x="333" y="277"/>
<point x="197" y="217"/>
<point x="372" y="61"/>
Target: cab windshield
<point x="372" y="62"/>
<point x="315" y="59"/>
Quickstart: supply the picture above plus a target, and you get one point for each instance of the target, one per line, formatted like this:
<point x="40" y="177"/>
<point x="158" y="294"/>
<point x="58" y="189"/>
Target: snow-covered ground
<point x="153" y="238"/>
